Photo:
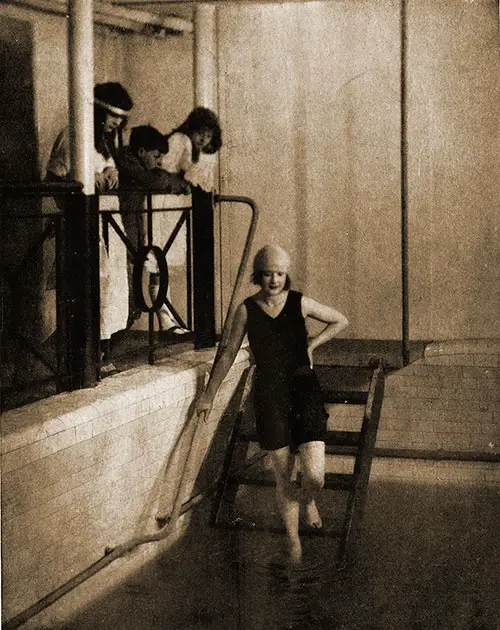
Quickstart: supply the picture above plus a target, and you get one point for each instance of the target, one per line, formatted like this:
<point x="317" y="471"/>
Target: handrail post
<point x="203" y="268"/>
<point x="81" y="284"/>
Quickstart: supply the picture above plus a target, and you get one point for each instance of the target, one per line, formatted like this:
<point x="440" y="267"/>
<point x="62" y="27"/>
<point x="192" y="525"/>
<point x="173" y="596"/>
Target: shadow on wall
<point x="22" y="262"/>
<point x="19" y="150"/>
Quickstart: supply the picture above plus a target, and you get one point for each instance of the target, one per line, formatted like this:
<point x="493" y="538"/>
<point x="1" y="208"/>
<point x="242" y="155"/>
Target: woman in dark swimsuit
<point x="290" y="415"/>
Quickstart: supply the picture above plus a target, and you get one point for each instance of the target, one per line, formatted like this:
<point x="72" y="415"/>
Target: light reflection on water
<point x="287" y="597"/>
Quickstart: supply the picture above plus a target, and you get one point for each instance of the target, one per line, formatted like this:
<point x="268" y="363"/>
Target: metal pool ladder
<point x="362" y="387"/>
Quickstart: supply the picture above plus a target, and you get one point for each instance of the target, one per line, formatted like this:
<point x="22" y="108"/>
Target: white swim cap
<point x="271" y="258"/>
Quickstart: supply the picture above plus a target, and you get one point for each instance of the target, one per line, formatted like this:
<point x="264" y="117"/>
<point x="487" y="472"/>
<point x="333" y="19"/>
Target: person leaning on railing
<point x="139" y="166"/>
<point x="192" y="148"/>
<point x="112" y="105"/>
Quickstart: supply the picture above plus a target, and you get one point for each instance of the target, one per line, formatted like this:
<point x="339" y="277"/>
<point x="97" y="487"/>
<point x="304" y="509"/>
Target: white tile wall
<point x="85" y="470"/>
<point x="453" y="405"/>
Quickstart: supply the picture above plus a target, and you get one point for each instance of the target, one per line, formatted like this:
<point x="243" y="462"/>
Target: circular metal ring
<point x="139" y="261"/>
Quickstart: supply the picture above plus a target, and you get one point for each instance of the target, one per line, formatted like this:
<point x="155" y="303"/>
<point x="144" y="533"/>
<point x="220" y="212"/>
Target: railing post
<point x="203" y="268"/>
<point x="81" y="284"/>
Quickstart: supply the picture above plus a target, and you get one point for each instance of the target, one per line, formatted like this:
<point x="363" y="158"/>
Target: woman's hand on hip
<point x="310" y="350"/>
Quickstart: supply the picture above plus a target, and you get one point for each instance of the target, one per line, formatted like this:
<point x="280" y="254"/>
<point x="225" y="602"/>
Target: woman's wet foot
<point x="312" y="517"/>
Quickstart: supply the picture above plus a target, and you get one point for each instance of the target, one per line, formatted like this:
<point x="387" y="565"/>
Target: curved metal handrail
<point x="243" y="263"/>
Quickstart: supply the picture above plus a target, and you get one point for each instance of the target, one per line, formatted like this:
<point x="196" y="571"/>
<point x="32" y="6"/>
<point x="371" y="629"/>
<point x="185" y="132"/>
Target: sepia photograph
<point x="250" y="314"/>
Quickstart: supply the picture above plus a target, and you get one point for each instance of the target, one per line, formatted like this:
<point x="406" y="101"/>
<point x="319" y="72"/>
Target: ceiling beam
<point x="165" y="3"/>
<point x="120" y="17"/>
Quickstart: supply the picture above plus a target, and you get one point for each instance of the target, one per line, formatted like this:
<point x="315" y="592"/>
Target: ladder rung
<point x="345" y="397"/>
<point x="247" y="525"/>
<point x="338" y="481"/>
<point x="349" y="451"/>
<point x="350" y="377"/>
<point x="343" y="438"/>
<point x="333" y="438"/>
<point x="333" y="481"/>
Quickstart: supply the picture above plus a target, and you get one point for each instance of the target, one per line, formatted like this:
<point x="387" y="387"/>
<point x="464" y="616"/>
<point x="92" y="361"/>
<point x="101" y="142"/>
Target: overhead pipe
<point x="117" y="15"/>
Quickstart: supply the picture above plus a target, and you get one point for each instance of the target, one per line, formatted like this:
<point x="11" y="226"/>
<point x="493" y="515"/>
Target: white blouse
<point x="59" y="162"/>
<point x="179" y="159"/>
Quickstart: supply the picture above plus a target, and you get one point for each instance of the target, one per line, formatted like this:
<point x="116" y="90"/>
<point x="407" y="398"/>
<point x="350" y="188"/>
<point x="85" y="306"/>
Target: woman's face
<point x="112" y="122"/>
<point x="273" y="281"/>
<point x="202" y="138"/>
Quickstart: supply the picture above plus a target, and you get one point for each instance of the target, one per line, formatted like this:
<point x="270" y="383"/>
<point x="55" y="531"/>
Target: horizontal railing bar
<point x="41" y="188"/>
<point x="144" y="191"/>
<point x="145" y="211"/>
<point x="57" y="214"/>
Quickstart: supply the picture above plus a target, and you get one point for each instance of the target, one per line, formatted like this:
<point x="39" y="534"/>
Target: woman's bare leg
<point x="165" y="318"/>
<point x="312" y="462"/>
<point x="287" y="498"/>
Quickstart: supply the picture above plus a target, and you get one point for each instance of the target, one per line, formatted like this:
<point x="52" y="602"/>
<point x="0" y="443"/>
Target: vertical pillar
<point x="203" y="268"/>
<point x="81" y="280"/>
<point x="81" y="92"/>
<point x="405" y="323"/>
<point x="205" y="55"/>
<point x="81" y="216"/>
<point x="205" y="90"/>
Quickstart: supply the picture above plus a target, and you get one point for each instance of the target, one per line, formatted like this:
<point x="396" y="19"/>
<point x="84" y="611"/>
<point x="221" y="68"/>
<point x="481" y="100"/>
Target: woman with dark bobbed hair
<point x="192" y="147"/>
<point x="112" y="105"/>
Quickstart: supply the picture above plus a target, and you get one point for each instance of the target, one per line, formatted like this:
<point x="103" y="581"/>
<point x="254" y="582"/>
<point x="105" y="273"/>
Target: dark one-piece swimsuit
<point x="288" y="401"/>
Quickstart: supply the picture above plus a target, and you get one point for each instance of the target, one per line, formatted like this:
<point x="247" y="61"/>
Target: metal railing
<point x="69" y="224"/>
<point x="27" y="229"/>
<point x="59" y="218"/>
<point x="151" y="245"/>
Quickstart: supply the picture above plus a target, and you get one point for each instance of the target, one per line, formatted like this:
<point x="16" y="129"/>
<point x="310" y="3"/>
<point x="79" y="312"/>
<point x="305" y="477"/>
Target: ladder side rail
<point x="362" y="465"/>
<point x="225" y="478"/>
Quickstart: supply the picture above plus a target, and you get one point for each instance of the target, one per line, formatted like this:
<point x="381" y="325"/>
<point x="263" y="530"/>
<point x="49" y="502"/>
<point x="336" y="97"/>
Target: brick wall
<point x="445" y="406"/>
<point x="92" y="469"/>
<point x="449" y="400"/>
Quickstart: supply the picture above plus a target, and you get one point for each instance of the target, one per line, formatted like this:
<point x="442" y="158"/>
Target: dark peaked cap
<point x="148" y="138"/>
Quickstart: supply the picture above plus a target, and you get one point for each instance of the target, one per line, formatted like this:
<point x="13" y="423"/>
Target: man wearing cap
<point x="140" y="169"/>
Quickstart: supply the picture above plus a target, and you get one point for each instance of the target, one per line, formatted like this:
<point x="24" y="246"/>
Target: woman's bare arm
<point x="225" y="360"/>
<point x="336" y="322"/>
